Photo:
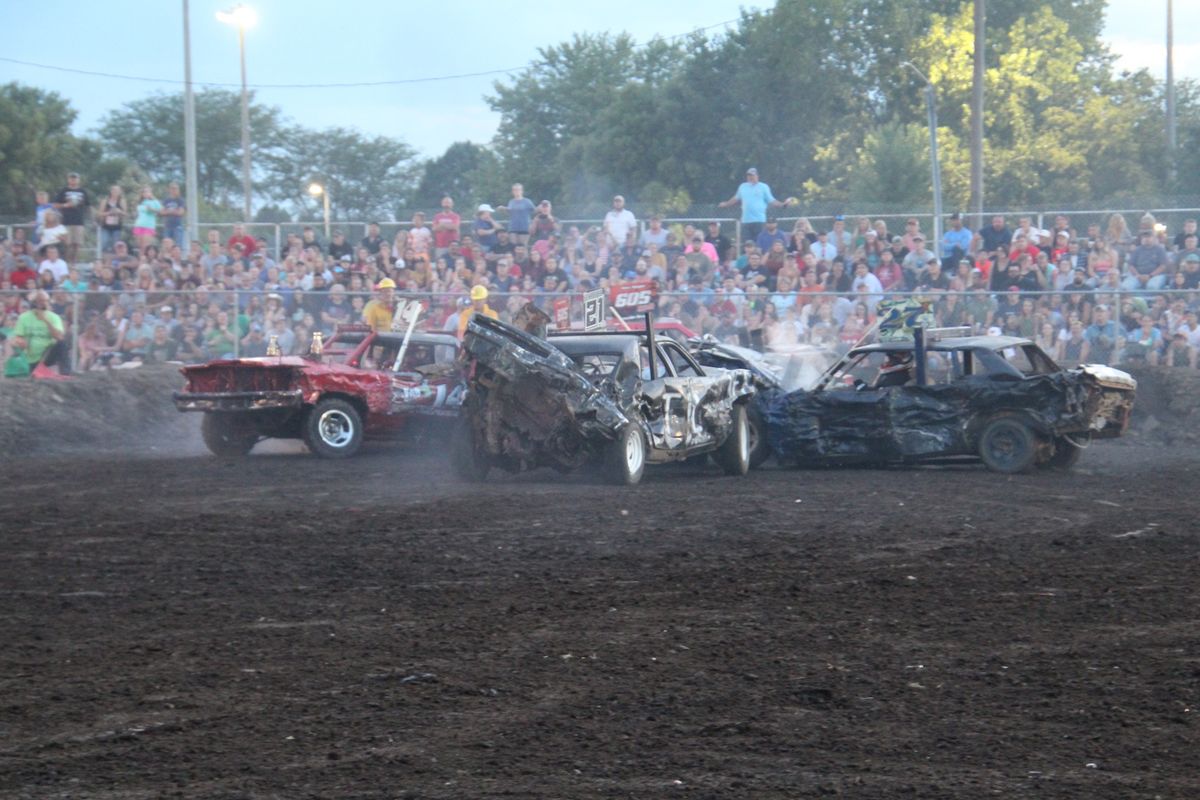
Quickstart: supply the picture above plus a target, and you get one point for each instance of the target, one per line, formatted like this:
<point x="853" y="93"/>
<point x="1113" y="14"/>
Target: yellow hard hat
<point x="479" y="293"/>
<point x="386" y="283"/>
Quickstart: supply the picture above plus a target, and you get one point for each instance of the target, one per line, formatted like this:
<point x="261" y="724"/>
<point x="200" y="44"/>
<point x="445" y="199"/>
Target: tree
<point x="37" y="148"/>
<point x="149" y="132"/>
<point x="466" y="172"/>
<point x="560" y="99"/>
<point x="366" y="177"/>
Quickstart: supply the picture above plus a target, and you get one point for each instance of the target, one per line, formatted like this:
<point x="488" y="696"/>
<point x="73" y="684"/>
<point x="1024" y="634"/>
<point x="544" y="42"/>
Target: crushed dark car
<point x="616" y="400"/>
<point x="995" y="398"/>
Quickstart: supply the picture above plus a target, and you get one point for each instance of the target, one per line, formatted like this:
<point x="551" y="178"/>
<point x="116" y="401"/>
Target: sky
<point x="301" y="41"/>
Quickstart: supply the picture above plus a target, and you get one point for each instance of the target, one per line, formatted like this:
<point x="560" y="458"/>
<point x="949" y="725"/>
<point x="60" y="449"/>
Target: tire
<point x="1007" y="445"/>
<point x="1066" y="453"/>
<point x="466" y="460"/>
<point x="760" y="449"/>
<point x="625" y="461"/>
<point x="333" y="428"/>
<point x="228" y="435"/>
<point x="734" y="453"/>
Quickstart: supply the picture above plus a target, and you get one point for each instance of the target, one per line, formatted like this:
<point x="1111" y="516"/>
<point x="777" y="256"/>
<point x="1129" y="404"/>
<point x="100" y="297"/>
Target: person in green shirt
<point x="43" y="336"/>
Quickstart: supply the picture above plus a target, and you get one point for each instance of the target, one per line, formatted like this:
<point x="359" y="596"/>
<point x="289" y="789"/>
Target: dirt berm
<point x="117" y="409"/>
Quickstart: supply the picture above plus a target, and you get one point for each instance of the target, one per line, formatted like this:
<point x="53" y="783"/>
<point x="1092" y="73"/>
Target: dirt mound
<point x="123" y="408"/>
<point x="1166" y="410"/>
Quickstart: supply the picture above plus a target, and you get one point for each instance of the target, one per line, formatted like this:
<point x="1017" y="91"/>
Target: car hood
<point x="1109" y="377"/>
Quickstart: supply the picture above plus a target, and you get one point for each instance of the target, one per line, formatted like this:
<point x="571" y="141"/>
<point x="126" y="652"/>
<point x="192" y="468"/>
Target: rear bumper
<point x="238" y="401"/>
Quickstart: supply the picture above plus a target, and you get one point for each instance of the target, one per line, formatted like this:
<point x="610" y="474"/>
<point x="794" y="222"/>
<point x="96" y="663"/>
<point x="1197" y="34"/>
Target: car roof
<point x="586" y="343"/>
<point x="955" y="343"/>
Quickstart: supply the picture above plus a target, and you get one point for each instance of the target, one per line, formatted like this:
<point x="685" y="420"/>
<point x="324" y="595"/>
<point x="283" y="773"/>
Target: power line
<point x="349" y="85"/>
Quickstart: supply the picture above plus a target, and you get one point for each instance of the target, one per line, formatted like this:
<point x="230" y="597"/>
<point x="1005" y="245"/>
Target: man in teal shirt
<point x="41" y="333"/>
<point x="755" y="198"/>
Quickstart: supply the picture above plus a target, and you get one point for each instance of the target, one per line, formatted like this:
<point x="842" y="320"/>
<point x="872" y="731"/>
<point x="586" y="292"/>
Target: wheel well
<point x="359" y="404"/>
<point x="983" y="420"/>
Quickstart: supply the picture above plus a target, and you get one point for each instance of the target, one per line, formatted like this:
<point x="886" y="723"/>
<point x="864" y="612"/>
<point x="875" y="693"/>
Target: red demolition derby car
<point x="361" y="384"/>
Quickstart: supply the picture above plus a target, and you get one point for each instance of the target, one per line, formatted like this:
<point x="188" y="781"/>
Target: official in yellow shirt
<point x="479" y="296"/>
<point x="379" y="310"/>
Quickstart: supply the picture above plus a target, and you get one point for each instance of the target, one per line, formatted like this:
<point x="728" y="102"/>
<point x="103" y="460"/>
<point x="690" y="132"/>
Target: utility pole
<point x="189" y="138"/>
<point x="1170" y="96"/>
<point x="931" y="109"/>
<point x="977" y="114"/>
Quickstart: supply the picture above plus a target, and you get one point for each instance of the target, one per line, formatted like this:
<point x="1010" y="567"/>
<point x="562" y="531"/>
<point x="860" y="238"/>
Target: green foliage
<point x="892" y="168"/>
<point x="364" y="175"/>
<point x="149" y="132"/>
<point x="468" y="173"/>
<point x="37" y="148"/>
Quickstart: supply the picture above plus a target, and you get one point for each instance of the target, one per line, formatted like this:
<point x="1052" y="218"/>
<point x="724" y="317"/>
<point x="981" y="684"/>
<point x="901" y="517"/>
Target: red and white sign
<point x="562" y="313"/>
<point x="633" y="297"/>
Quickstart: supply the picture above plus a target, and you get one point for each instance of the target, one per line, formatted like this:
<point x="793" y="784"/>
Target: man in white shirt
<point x="58" y="268"/>
<point x="619" y="221"/>
<point x="824" y="249"/>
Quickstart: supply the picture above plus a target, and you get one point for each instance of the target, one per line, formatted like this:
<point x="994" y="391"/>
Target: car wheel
<point x="333" y="429"/>
<point x="1008" y="445"/>
<point x="760" y="450"/>
<point x="1067" y="451"/>
<point x="626" y="459"/>
<point x="467" y="461"/>
<point x="228" y="435"/>
<point x="734" y="453"/>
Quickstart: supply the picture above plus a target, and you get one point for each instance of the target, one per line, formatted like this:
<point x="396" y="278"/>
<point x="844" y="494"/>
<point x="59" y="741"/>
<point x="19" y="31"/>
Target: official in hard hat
<point x="479" y="296"/>
<point x="380" y="309"/>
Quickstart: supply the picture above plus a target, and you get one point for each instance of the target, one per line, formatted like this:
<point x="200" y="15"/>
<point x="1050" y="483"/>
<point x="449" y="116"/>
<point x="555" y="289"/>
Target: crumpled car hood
<point x="539" y="409"/>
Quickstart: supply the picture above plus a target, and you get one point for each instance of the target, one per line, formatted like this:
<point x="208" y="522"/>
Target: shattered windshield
<point x="597" y="366"/>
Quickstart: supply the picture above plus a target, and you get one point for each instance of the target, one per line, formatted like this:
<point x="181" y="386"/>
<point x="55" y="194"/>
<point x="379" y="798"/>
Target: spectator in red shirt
<point x="239" y="237"/>
<point x="23" y="274"/>
<point x="446" y="226"/>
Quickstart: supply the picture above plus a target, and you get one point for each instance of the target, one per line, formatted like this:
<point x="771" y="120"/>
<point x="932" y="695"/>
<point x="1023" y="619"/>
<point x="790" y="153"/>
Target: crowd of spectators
<point x="1101" y="294"/>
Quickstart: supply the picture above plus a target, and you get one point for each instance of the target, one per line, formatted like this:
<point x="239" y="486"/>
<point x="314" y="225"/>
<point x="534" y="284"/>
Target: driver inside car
<point x="896" y="370"/>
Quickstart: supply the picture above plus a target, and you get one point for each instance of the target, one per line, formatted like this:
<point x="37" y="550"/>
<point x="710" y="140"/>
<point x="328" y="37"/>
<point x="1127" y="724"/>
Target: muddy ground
<point x="283" y="627"/>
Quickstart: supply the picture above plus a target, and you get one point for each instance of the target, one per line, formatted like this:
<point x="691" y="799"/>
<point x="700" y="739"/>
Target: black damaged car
<point x="996" y="398"/>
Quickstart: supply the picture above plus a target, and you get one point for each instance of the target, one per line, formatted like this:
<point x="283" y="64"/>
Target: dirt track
<point x="286" y="627"/>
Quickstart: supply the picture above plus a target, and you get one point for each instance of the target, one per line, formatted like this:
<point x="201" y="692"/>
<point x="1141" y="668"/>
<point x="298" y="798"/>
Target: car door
<point x="852" y="419"/>
<point x="670" y="403"/>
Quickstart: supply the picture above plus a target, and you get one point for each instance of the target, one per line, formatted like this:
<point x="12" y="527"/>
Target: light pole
<point x="191" y="183"/>
<point x="317" y="190"/>
<point x="930" y="105"/>
<point x="243" y="17"/>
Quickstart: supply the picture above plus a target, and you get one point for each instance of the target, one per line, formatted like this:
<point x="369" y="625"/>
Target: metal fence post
<point x="277" y="241"/>
<point x="236" y="322"/>
<point x="737" y="235"/>
<point x="75" y="332"/>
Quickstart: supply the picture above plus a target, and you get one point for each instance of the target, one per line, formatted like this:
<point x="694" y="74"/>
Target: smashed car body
<point x="621" y="399"/>
<point x="362" y="385"/>
<point x="1000" y="399"/>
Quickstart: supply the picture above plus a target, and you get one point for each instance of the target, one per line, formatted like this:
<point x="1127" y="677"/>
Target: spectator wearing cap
<point x="1147" y="266"/>
<point x="655" y="233"/>
<point x="755" y="198"/>
<point x="822" y="248"/>
<point x="618" y="222"/>
<point x="956" y="241"/>
<point x="339" y="247"/>
<point x="485" y="227"/>
<point x="916" y="259"/>
<point x="1191" y="271"/>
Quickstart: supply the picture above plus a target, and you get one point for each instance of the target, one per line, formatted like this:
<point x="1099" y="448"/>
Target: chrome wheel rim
<point x="633" y="453"/>
<point x="744" y="440"/>
<point x="335" y="428"/>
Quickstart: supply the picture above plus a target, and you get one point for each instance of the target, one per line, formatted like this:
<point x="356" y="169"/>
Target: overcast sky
<point x="300" y="41"/>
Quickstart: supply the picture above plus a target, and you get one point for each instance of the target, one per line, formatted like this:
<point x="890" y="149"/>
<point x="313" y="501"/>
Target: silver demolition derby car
<point x="616" y="400"/>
